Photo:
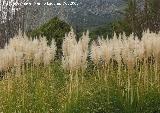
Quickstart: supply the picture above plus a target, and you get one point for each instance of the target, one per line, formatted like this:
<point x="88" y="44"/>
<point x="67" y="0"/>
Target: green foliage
<point x="122" y="26"/>
<point x="154" y="15"/>
<point x="105" y="30"/>
<point x="130" y="23"/>
<point x="54" y="28"/>
<point x="138" y="19"/>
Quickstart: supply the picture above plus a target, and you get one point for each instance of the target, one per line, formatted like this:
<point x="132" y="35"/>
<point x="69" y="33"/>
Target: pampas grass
<point x="75" y="52"/>
<point x="22" y="50"/>
<point x="127" y="68"/>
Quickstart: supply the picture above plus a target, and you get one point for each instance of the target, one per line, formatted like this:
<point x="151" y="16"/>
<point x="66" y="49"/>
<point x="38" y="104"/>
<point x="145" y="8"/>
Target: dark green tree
<point x="154" y="15"/>
<point x="54" y="28"/>
<point x="131" y="22"/>
<point x="133" y="18"/>
<point x="146" y="16"/>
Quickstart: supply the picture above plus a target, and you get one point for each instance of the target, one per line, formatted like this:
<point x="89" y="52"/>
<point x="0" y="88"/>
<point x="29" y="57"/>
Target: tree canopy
<point x="139" y="18"/>
<point x="53" y="29"/>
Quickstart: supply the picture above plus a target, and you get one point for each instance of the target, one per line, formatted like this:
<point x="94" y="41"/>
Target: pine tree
<point x="133" y="18"/>
<point x="145" y="15"/>
<point x="154" y="13"/>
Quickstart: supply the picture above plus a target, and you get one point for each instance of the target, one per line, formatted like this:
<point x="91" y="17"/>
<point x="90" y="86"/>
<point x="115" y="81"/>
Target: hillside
<point x="88" y="13"/>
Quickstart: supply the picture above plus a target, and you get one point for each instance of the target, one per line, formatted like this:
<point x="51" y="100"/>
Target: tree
<point x="133" y="18"/>
<point x="54" y="28"/>
<point x="154" y="13"/>
<point x="131" y="22"/>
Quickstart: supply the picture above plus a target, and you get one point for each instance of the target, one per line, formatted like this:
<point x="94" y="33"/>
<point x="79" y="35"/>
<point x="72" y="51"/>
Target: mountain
<point x="88" y="13"/>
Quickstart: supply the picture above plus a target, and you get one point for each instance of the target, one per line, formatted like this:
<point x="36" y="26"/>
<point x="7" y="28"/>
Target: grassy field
<point x="121" y="75"/>
<point x="50" y="90"/>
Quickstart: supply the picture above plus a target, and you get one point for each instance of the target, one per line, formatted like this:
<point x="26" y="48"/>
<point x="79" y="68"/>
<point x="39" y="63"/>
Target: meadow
<point x="120" y="75"/>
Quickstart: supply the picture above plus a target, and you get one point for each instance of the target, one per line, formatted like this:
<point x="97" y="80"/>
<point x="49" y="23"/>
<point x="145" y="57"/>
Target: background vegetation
<point x="138" y="17"/>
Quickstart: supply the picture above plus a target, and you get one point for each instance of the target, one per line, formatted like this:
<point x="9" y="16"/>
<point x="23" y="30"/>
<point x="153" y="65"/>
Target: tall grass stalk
<point x="116" y="75"/>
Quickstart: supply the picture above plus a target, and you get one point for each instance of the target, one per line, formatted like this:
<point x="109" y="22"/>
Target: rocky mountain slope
<point x="87" y="13"/>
